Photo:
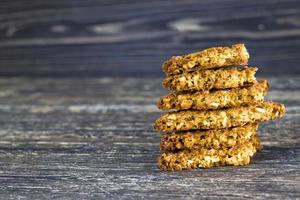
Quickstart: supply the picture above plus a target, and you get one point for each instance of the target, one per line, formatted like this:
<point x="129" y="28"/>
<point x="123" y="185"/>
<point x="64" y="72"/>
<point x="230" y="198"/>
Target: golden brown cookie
<point x="207" y="158"/>
<point x="216" y="119"/>
<point x="232" y="77"/>
<point x="207" y="59"/>
<point x="205" y="100"/>
<point x="214" y="138"/>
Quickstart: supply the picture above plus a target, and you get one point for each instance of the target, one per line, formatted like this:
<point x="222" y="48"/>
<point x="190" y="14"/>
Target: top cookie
<point x="214" y="57"/>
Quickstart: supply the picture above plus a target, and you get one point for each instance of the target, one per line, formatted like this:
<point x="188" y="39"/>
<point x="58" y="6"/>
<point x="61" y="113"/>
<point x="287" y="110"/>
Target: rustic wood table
<point x="79" y="138"/>
<point x="69" y="130"/>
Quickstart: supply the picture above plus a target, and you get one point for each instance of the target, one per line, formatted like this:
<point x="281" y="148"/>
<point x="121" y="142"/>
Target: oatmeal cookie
<point x="207" y="59"/>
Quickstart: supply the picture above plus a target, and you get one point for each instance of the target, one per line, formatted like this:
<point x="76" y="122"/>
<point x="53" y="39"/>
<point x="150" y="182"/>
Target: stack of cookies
<point x="214" y="108"/>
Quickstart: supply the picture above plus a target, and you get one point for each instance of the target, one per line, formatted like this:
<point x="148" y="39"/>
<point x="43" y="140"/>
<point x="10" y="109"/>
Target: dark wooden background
<point x="127" y="38"/>
<point x="79" y="80"/>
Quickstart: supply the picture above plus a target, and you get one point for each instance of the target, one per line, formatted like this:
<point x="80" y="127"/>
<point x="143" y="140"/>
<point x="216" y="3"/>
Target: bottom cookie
<point x="207" y="158"/>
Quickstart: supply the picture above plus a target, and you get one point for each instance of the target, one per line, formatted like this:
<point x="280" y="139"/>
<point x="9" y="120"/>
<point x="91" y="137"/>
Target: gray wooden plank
<point x="123" y="38"/>
<point x="93" y="138"/>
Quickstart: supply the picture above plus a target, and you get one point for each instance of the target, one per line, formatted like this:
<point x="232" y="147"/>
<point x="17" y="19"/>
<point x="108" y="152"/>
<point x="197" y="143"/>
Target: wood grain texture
<point x="129" y="38"/>
<point x="93" y="139"/>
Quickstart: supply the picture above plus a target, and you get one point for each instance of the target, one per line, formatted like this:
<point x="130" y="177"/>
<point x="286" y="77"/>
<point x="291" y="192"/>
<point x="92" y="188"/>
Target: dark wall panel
<point x="128" y="38"/>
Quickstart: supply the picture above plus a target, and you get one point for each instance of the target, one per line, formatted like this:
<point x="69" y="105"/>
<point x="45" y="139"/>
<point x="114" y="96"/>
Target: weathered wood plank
<point x="93" y="138"/>
<point x="84" y="38"/>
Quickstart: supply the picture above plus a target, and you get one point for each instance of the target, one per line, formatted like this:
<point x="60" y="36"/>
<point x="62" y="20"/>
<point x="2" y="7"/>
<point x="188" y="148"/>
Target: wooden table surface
<point x="92" y="138"/>
<point x="76" y="123"/>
